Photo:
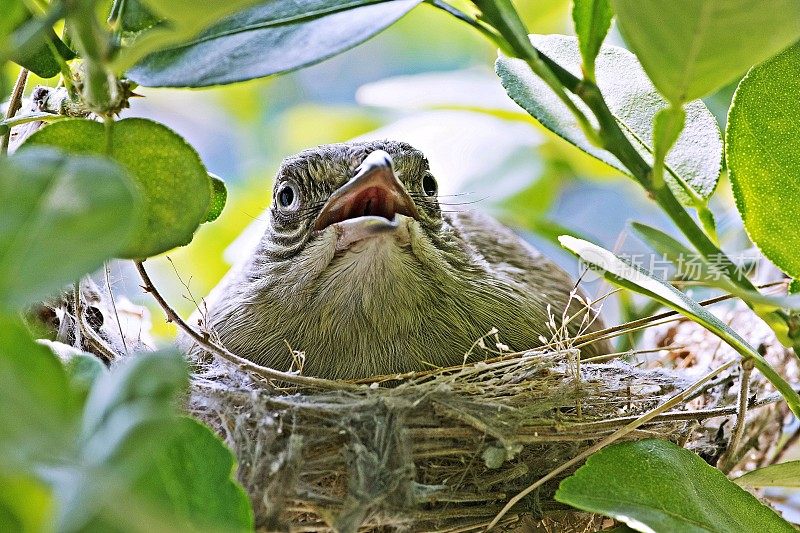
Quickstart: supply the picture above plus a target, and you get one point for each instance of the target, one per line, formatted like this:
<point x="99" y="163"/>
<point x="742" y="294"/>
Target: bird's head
<point x="337" y="198"/>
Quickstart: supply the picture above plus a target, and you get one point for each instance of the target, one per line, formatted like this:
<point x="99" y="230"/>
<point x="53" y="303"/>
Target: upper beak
<point x="373" y="191"/>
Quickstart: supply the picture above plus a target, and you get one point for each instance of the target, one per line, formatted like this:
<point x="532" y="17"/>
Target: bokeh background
<point x="427" y="80"/>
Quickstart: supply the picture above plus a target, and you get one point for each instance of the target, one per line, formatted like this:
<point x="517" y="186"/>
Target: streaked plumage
<point x="400" y="299"/>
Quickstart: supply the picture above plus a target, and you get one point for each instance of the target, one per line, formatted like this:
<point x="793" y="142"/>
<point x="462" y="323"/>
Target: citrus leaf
<point x="592" y="20"/>
<point x="780" y="475"/>
<point x="267" y="39"/>
<point x="151" y="25"/>
<point x="27" y="46"/>
<point x="55" y="205"/>
<point x="763" y="155"/>
<point x="625" y="274"/>
<point x="183" y="476"/>
<point x="695" y="267"/>
<point x="696" y="157"/>
<point x="175" y="184"/>
<point x="122" y="459"/>
<point x="654" y="485"/>
<point x="694" y="47"/>
<point x="35" y="400"/>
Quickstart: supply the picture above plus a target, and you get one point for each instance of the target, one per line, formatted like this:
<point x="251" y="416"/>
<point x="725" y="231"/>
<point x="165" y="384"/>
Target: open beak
<point x="374" y="191"/>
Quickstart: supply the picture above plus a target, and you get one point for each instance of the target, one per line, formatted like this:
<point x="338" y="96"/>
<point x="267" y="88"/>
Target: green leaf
<point x="24" y="39"/>
<point x="218" y="198"/>
<point x="592" y="20"/>
<point x="153" y="381"/>
<point x="693" y="266"/>
<point x="40" y="59"/>
<point x="194" y="466"/>
<point x="270" y="38"/>
<point x="54" y="205"/>
<point x="151" y="25"/>
<point x="697" y="154"/>
<point x="654" y="485"/>
<point x="692" y="48"/>
<point x="780" y="475"/>
<point x="763" y="155"/>
<point x="503" y="16"/>
<point x="35" y="399"/>
<point x="126" y="460"/>
<point x="84" y="369"/>
<point x="25" y="503"/>
<point x="667" y="126"/>
<point x="631" y="277"/>
<point x="173" y="180"/>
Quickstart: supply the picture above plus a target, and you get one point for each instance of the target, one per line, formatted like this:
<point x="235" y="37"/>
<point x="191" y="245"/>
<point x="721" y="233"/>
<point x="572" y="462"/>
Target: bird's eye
<point x="429" y="184"/>
<point x="288" y="196"/>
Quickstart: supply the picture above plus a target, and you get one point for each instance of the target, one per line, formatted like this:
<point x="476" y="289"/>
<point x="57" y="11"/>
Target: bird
<point x="361" y="272"/>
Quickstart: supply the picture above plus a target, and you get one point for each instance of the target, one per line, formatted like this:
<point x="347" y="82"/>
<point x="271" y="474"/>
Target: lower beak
<point x="373" y="191"/>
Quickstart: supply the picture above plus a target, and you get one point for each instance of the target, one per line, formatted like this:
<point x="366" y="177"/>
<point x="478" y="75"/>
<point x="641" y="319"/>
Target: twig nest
<point x="440" y="451"/>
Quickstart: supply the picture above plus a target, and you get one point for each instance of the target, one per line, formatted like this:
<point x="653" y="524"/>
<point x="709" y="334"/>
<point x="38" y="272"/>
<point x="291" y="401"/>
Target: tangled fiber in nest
<point x="441" y="451"/>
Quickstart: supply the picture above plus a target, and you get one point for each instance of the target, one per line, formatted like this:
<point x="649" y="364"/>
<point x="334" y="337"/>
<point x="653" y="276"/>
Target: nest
<point x="445" y="450"/>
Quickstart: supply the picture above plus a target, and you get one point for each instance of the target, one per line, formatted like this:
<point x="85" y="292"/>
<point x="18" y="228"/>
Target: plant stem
<point x="108" y="122"/>
<point x="33" y="117"/>
<point x="14" y="104"/>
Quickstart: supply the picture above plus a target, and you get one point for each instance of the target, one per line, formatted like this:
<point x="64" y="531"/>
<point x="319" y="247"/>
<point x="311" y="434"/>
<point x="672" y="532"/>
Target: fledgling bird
<point x="362" y="270"/>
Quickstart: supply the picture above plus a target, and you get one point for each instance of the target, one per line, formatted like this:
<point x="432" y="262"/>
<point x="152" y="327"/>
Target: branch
<point x="14" y="104"/>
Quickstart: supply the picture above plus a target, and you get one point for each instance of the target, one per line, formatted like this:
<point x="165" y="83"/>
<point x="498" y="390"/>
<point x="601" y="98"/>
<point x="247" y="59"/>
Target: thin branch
<point x="114" y="308"/>
<point x="728" y="459"/>
<point x="205" y="342"/>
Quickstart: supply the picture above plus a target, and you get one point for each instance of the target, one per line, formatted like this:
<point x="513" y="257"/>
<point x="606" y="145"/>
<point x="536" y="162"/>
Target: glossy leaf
<point x="592" y="20"/>
<point x="218" y="198"/>
<point x="151" y="25"/>
<point x="654" y="485"/>
<point x="696" y="156"/>
<point x="179" y="478"/>
<point x="134" y="460"/>
<point x="691" y="265"/>
<point x="55" y="205"/>
<point x="174" y="183"/>
<point x="267" y="39"/>
<point x="627" y="275"/>
<point x="691" y="48"/>
<point x="23" y="39"/>
<point x="763" y="155"/>
<point x="35" y="400"/>
<point x="780" y="475"/>
<point x="40" y="59"/>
